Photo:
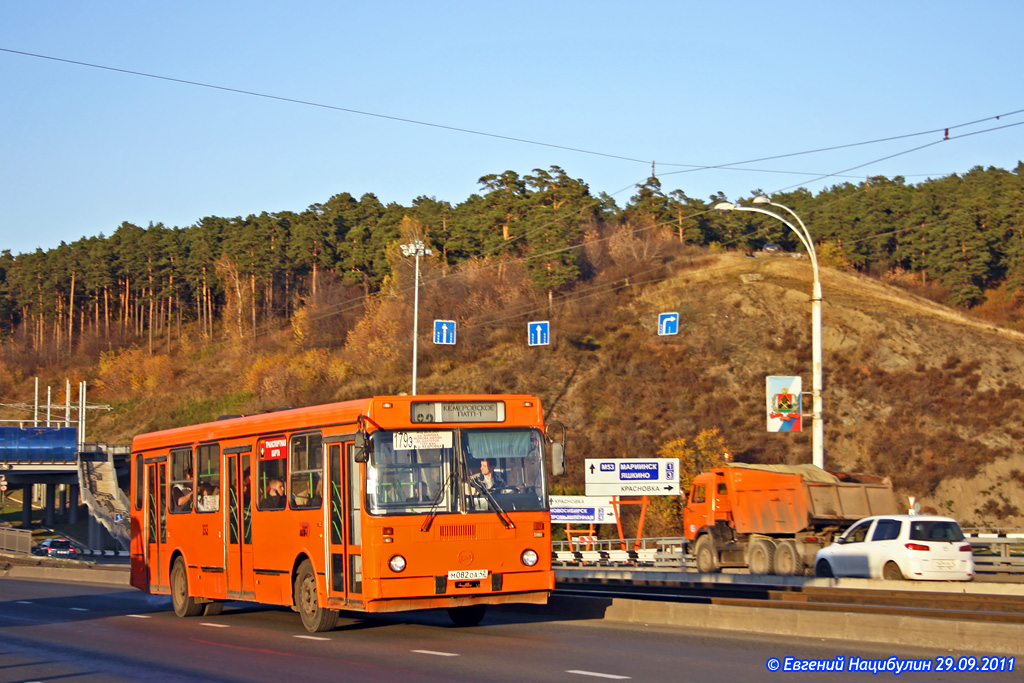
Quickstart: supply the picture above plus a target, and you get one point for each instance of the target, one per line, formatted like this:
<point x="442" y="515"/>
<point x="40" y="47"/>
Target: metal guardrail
<point x="994" y="552"/>
<point x="15" y="540"/>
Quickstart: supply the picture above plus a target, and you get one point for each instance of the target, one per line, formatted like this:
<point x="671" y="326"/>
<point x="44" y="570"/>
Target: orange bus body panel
<point x="282" y="539"/>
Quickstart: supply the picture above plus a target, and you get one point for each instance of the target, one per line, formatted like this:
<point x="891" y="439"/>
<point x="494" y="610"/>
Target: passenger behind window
<point x="181" y="494"/>
<point x="304" y="498"/>
<point x="208" y="498"/>
<point x="274" y="498"/>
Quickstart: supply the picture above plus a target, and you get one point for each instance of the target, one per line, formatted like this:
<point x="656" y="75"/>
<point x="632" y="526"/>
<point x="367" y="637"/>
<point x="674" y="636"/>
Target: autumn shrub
<point x="132" y="371"/>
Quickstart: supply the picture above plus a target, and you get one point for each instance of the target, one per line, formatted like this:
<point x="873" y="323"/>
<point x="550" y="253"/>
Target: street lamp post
<point x="417" y="249"/>
<point x="817" y="426"/>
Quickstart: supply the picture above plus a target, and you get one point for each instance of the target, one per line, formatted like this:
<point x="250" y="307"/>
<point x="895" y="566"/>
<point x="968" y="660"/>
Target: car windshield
<point x="431" y="471"/>
<point x="935" y="531"/>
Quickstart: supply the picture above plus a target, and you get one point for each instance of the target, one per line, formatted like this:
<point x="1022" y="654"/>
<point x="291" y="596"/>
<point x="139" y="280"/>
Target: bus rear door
<point x="239" y="523"/>
<point x="156" y="523"/>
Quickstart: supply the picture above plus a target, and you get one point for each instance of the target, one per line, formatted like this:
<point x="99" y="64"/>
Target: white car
<point x="899" y="547"/>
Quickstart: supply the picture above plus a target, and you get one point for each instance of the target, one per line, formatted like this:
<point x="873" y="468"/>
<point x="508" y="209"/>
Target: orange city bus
<point x="372" y="505"/>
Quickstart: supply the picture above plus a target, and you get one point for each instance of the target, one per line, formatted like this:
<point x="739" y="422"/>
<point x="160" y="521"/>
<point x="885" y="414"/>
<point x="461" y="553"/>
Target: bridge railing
<point x="15" y="540"/>
<point x="994" y="552"/>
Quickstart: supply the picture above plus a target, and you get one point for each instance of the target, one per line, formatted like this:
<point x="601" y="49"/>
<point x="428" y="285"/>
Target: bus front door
<point x="156" y="525"/>
<point x="239" y="531"/>
<point x="345" y="538"/>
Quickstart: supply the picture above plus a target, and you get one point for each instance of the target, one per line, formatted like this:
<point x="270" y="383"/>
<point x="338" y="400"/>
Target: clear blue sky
<point x="686" y="83"/>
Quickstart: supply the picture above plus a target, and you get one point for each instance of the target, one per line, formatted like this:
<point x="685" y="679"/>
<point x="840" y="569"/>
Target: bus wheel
<point x="184" y="604"/>
<point x="212" y="609"/>
<point x="470" y="615"/>
<point x="314" y="617"/>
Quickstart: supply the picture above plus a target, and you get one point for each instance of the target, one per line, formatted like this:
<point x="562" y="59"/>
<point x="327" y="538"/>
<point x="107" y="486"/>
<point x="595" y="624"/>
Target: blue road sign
<point x="444" y="332"/>
<point x="538" y="332"/>
<point x="668" y="323"/>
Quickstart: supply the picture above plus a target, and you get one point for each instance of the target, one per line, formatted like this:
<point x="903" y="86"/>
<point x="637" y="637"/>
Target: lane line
<point x="212" y="625"/>
<point x="311" y="637"/>
<point x="138" y="616"/>
<point x="23" y="602"/>
<point x="596" y="674"/>
<point x="435" y="653"/>
<point x="79" y="609"/>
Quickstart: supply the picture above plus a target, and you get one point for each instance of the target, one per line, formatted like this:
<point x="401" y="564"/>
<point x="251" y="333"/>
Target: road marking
<point x="138" y="616"/>
<point x="596" y="674"/>
<point x="24" y="602"/>
<point x="436" y="654"/>
<point x="207" y="623"/>
<point x="79" y="609"/>
<point x="312" y="638"/>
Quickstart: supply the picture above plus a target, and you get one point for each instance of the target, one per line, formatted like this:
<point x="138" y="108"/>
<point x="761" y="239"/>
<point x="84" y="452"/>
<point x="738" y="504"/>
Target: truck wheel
<point x="787" y="561"/>
<point x="762" y="557"/>
<point x="891" y="572"/>
<point x="823" y="570"/>
<point x="707" y="563"/>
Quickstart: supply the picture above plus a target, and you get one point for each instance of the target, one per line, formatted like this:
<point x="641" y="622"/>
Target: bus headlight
<point x="529" y="557"/>
<point x="397" y="564"/>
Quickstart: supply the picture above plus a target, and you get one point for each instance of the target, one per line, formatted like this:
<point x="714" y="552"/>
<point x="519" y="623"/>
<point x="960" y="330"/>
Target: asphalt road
<point x="52" y="631"/>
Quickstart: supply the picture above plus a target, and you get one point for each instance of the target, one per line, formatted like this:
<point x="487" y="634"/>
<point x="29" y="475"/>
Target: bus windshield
<point x="455" y="470"/>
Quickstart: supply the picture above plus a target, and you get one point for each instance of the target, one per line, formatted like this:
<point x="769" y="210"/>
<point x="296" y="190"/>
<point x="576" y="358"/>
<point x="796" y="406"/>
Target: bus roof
<point x="342" y="417"/>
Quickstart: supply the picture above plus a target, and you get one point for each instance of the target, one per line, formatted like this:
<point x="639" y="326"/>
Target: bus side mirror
<point x="557" y="459"/>
<point x="360" y="454"/>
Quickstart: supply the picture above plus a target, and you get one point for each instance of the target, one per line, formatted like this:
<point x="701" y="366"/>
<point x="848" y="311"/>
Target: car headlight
<point x="397" y="564"/>
<point x="529" y="557"/>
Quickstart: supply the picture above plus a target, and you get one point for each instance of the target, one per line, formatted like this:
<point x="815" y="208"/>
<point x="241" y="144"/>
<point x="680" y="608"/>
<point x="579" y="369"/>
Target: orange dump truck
<point x="774" y="518"/>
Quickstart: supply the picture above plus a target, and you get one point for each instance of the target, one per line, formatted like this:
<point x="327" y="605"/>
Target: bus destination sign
<point x="458" y="411"/>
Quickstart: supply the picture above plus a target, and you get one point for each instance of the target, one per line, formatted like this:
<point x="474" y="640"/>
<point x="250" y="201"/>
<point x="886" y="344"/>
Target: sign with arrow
<point x="668" y="323"/>
<point x="538" y="332"/>
<point x="632" y="477"/>
<point x="444" y="332"/>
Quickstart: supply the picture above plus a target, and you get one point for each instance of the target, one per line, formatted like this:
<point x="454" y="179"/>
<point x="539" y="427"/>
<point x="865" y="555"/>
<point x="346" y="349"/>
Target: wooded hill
<point x="173" y="326"/>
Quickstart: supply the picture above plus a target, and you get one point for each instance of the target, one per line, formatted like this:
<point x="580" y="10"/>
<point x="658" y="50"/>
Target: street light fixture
<point x="417" y="249"/>
<point x="817" y="426"/>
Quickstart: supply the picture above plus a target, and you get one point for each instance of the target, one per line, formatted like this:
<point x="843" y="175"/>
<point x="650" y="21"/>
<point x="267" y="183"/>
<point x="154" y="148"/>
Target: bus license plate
<point x="467" y="574"/>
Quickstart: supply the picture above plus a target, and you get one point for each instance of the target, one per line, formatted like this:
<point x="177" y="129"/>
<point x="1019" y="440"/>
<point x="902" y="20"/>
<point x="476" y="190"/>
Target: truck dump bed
<point x="789" y="499"/>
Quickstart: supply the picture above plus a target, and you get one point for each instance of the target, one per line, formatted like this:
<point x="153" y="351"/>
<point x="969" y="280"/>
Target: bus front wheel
<point x="314" y="617"/>
<point x="184" y="604"/>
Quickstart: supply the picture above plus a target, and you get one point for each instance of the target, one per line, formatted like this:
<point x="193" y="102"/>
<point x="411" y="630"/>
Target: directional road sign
<point x="632" y="477"/>
<point x="581" y="510"/>
<point x="444" y="332"/>
<point x="538" y="332"/>
<point x="668" y="323"/>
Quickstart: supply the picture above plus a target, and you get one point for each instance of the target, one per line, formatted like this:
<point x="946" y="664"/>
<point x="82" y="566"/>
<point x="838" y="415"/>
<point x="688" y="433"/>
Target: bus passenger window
<point x="307" y="467"/>
<point x="208" y="489"/>
<point x="182" y="483"/>
<point x="271" y="473"/>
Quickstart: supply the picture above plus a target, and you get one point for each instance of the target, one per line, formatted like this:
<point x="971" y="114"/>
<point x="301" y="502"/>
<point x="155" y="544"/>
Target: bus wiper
<point x="437" y="501"/>
<point x="498" y="510"/>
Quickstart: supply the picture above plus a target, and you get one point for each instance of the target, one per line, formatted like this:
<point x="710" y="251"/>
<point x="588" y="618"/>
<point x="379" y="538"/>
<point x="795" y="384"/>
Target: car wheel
<point x="891" y="572"/>
<point x="823" y="570"/>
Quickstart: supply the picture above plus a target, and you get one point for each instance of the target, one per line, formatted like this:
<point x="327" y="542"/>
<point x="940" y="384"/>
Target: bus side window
<point x="208" y="488"/>
<point x="307" y="457"/>
<point x="182" y="481"/>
